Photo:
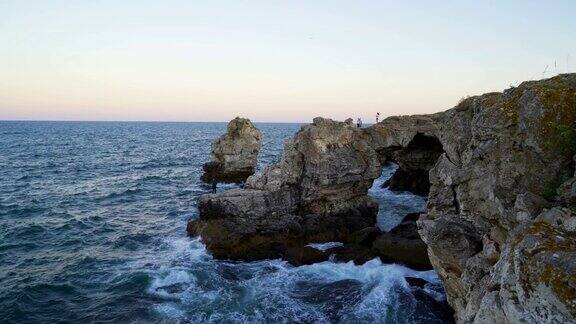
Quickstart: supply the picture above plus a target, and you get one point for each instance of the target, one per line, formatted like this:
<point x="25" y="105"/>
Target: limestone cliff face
<point x="505" y="253"/>
<point x="500" y="225"/>
<point x="234" y="154"/>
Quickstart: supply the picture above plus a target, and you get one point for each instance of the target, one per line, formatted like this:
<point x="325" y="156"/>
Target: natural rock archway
<point x="318" y="192"/>
<point x="503" y="242"/>
<point x="414" y="163"/>
<point x="500" y="228"/>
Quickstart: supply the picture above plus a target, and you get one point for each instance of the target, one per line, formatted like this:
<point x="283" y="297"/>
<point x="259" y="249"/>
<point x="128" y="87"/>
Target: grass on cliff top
<point x="566" y="138"/>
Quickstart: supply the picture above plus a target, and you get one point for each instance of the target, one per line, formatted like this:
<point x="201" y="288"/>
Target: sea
<point x="93" y="230"/>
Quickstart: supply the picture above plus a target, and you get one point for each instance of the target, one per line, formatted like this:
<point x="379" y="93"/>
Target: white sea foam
<point x="271" y="290"/>
<point x="198" y="288"/>
<point x="325" y="246"/>
<point x="171" y="282"/>
<point x="170" y="310"/>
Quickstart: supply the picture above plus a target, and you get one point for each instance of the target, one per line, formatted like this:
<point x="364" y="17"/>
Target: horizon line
<point x="140" y="121"/>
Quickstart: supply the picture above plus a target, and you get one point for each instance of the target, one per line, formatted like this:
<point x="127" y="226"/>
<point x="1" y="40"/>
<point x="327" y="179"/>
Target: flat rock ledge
<point x="235" y="154"/>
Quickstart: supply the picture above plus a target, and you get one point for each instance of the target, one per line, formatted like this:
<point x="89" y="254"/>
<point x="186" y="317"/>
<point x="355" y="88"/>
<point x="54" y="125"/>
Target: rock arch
<point x="414" y="164"/>
<point x="486" y="212"/>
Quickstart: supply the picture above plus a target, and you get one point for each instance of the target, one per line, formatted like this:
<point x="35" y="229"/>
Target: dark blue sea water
<point x="92" y="229"/>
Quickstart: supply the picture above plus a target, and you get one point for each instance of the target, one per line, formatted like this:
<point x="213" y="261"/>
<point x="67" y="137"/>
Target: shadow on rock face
<point x="414" y="161"/>
<point x="403" y="245"/>
<point x="214" y="172"/>
<point x="423" y="308"/>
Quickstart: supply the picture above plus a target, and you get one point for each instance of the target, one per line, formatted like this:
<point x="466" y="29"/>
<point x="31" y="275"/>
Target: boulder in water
<point x="400" y="245"/>
<point x="403" y="245"/>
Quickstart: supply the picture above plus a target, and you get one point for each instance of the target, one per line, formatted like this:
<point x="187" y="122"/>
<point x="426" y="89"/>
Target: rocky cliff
<point x="496" y="230"/>
<point x="499" y="173"/>
<point x="500" y="225"/>
<point x="234" y="154"/>
<point x="316" y="193"/>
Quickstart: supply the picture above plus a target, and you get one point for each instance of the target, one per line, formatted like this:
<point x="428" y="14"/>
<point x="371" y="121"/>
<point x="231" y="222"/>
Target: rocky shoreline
<point x="499" y="227"/>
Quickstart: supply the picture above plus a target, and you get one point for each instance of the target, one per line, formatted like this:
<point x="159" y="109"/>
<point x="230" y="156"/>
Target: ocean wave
<point x="273" y="290"/>
<point x="131" y="241"/>
<point x="121" y="194"/>
<point x="103" y="239"/>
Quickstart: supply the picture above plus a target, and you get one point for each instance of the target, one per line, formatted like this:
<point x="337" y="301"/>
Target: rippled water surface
<point x="92" y="229"/>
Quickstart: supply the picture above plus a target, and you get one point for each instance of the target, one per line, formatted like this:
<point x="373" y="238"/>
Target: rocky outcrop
<point x="316" y="193"/>
<point x="499" y="226"/>
<point x="234" y="154"/>
<point x="329" y="164"/>
<point x="414" y="162"/>
<point x="504" y="252"/>
<point x="500" y="220"/>
<point x="401" y="245"/>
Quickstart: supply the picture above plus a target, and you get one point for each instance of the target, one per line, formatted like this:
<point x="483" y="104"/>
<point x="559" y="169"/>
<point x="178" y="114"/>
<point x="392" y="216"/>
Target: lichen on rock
<point x="492" y="179"/>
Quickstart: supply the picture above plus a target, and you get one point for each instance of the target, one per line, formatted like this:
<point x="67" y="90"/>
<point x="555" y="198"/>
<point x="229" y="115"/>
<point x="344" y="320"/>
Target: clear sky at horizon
<point x="177" y="60"/>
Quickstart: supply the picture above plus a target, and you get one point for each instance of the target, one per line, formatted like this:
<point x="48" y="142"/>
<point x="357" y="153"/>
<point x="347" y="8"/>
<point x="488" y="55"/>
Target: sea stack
<point x="234" y="154"/>
<point x="316" y="193"/>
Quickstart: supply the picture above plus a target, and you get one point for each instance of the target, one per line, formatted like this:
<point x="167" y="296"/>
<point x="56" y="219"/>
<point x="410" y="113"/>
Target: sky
<point x="271" y="61"/>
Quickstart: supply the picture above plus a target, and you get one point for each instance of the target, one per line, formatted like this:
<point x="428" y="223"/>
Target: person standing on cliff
<point x="359" y="122"/>
<point x="377" y="117"/>
<point x="214" y="185"/>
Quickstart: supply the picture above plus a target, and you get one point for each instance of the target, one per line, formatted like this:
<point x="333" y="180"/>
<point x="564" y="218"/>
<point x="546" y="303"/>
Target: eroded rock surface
<point x="499" y="225"/>
<point x="486" y="205"/>
<point x="316" y="193"/>
<point x="498" y="177"/>
<point x="234" y="154"/>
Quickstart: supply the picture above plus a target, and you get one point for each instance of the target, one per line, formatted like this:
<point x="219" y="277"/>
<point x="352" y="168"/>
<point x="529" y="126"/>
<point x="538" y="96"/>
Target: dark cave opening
<point x="414" y="164"/>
